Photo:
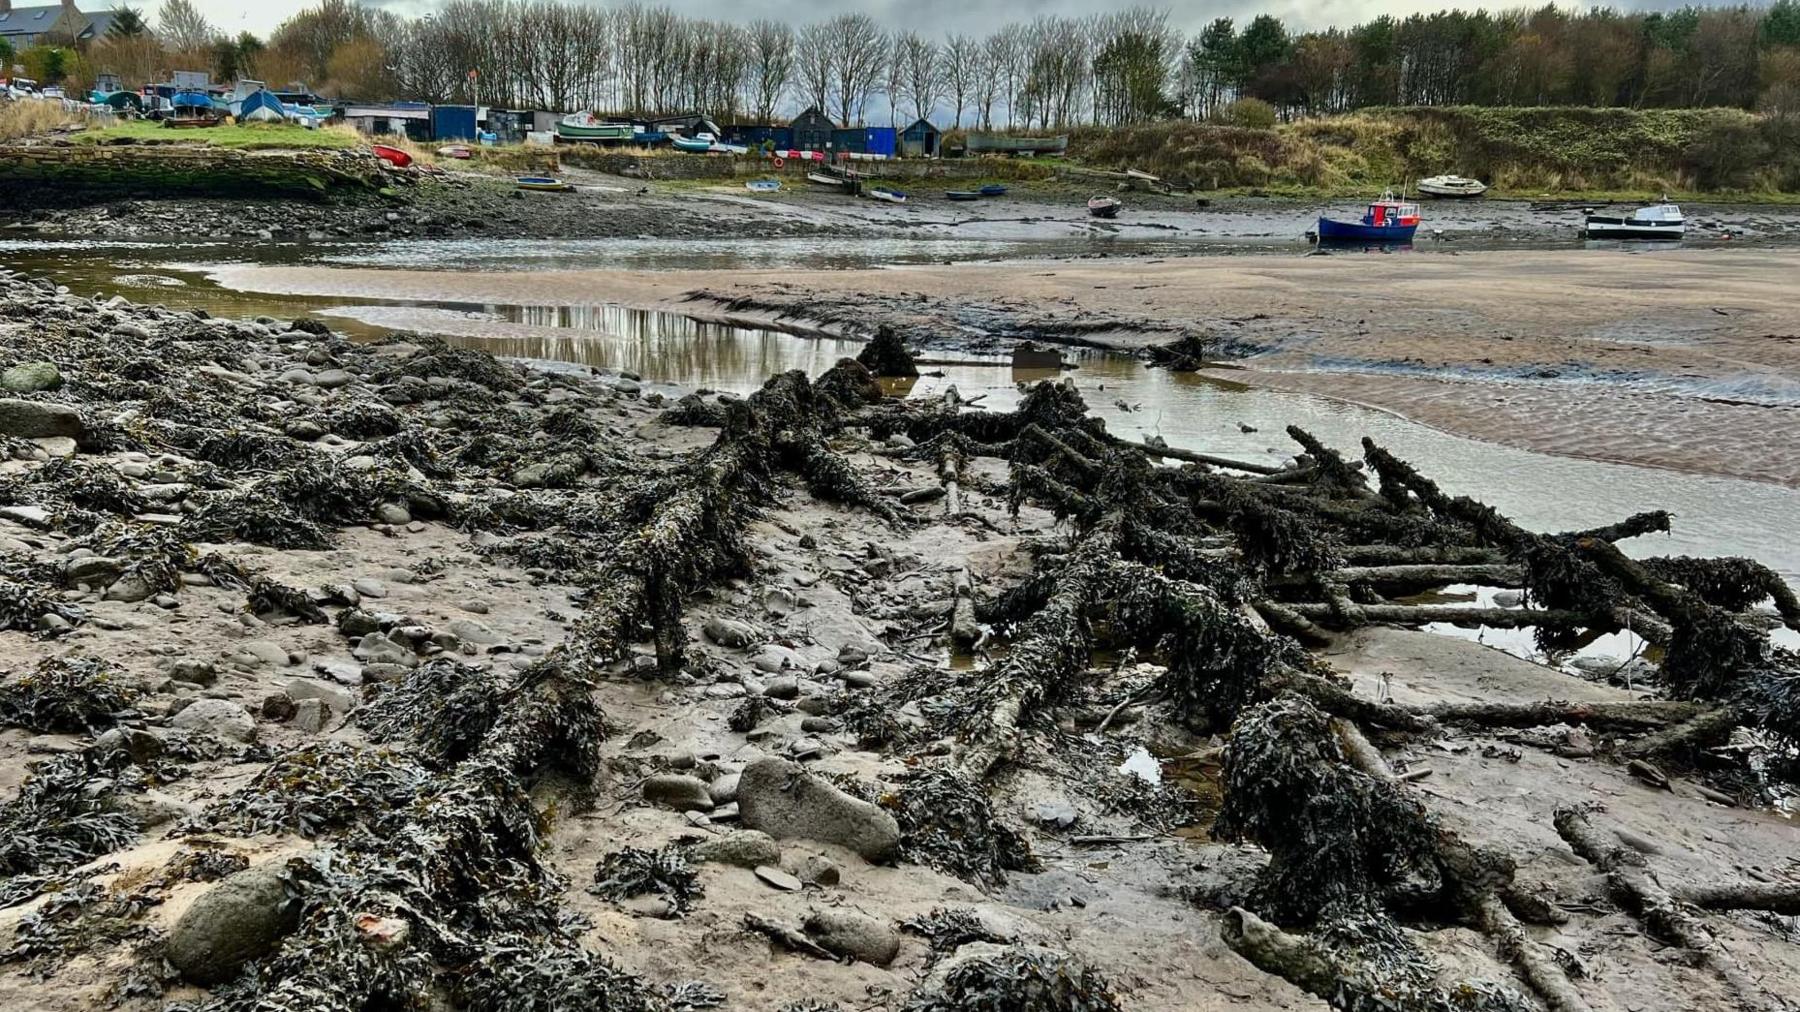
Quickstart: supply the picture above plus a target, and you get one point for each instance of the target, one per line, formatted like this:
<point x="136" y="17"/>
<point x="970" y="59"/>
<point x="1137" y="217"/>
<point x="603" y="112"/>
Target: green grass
<point x="242" y="137"/>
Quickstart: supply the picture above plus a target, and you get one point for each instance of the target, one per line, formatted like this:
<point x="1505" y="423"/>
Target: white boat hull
<point x="1635" y="230"/>
<point x="1452" y="192"/>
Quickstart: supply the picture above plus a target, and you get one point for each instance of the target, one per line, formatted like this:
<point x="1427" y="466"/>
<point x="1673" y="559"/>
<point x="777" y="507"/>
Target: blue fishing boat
<point x="993" y="190"/>
<point x="261" y="106"/>
<point x="1386" y="220"/>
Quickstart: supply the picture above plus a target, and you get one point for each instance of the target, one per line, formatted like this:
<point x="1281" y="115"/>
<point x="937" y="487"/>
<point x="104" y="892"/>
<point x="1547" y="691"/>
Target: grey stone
<point x="819" y="870"/>
<point x="37" y="419"/>
<point x="336" y="697"/>
<point x="278" y="706"/>
<point x="300" y="377"/>
<point x="129" y="589"/>
<point x="370" y="587"/>
<point x="470" y="631"/>
<point x="1508" y="598"/>
<point x="263" y="652"/>
<point x="775" y="877"/>
<point x="311" y="715"/>
<point x="95" y="571"/>
<point x="304" y="429"/>
<point x="728" y="632"/>
<point x="35" y="517"/>
<point x="782" y="688"/>
<point x="724" y="789"/>
<point x="782" y="799"/>
<point x="141" y="745"/>
<point x="377" y="648"/>
<point x="31" y="377"/>
<point x="189" y="669"/>
<point x="383" y="672"/>
<point x="219" y="718"/>
<point x="242" y="918"/>
<point x="357" y="622"/>
<point x="331" y="379"/>
<point x="393" y="513"/>
<point x="678" y="791"/>
<point x="1055" y="814"/>
<point x="854" y="934"/>
<point x="744" y="848"/>
<point x="774" y="657"/>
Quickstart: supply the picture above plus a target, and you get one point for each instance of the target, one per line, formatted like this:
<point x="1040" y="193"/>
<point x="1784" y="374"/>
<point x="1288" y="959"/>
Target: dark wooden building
<point x="813" y="130"/>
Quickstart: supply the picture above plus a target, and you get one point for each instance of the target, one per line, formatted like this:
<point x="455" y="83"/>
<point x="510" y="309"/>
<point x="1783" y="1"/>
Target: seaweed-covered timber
<point x="500" y="814"/>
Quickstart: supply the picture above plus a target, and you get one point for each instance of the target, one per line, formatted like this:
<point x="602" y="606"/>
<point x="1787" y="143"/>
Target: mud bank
<point x="1561" y="352"/>
<point x="345" y="674"/>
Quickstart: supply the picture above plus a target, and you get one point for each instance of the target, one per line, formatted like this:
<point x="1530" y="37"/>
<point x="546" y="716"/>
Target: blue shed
<point x="453" y="122"/>
<point x="756" y="135"/>
<point x="920" y="140"/>
<point x="864" y="140"/>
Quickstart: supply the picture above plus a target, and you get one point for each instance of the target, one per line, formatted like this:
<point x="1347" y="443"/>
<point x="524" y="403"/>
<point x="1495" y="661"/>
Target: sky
<point x="938" y="16"/>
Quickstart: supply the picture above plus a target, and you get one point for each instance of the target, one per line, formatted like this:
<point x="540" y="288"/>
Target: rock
<point x="393" y="513"/>
<point x="35" y="517"/>
<point x="278" y="706"/>
<point x="141" y="745"/>
<point x="357" y="622"/>
<point x="473" y="632"/>
<point x="218" y="718"/>
<point x="1508" y="598"/>
<point x="153" y="808"/>
<point x="819" y="870"/>
<point x="384" y="672"/>
<point x="331" y="379"/>
<point x="31" y="377"/>
<point x="782" y="688"/>
<point x="242" y="918"/>
<point x="678" y="791"/>
<point x="850" y="933"/>
<point x="302" y="689"/>
<point x="370" y="587"/>
<point x="56" y="446"/>
<point x="95" y="571"/>
<point x="311" y="715"/>
<point x="852" y="657"/>
<point x="728" y="632"/>
<point x="777" y="878"/>
<point x="298" y="377"/>
<point x="130" y="588"/>
<point x="724" y="789"/>
<point x="782" y="799"/>
<point x="1054" y="814"/>
<point x="191" y="670"/>
<point x="262" y="652"/>
<point x="743" y="848"/>
<point x="859" y="680"/>
<point x="377" y="648"/>
<point x="304" y="429"/>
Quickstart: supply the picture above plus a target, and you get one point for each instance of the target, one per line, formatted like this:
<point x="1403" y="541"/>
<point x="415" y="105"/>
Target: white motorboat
<point x="1451" y="186"/>
<point x="1658" y="222"/>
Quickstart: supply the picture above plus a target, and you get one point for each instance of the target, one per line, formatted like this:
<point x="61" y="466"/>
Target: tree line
<point x="1118" y="68"/>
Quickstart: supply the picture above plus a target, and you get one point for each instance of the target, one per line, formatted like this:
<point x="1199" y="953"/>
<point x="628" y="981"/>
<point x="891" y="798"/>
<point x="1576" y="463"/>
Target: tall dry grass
<point x="31" y="117"/>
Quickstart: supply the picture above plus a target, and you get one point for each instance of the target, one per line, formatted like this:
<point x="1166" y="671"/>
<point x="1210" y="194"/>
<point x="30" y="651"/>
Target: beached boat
<point x="393" y="156"/>
<point x="260" y="106"/>
<point x="962" y="194"/>
<point x="549" y="184"/>
<point x="834" y="182"/>
<point x="1658" y="222"/>
<point x="692" y="145"/>
<point x="583" y="126"/>
<point x="763" y="185"/>
<point x="455" y="151"/>
<point x="993" y="190"/>
<point x="1451" y="187"/>
<point x="1386" y="220"/>
<point x="1104" y="207"/>
<point x="892" y="196"/>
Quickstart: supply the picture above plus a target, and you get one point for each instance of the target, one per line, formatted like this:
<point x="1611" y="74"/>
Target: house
<point x="812" y="130"/>
<point x="24" y="27"/>
<point x="876" y="141"/>
<point x="920" y="140"/>
<point x="400" y="119"/>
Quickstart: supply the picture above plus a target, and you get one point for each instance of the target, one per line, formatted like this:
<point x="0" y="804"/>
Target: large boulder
<point x="39" y="419"/>
<point x="242" y="918"/>
<point x="782" y="799"/>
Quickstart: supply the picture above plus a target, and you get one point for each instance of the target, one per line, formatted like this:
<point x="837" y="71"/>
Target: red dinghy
<point x="393" y="156"/>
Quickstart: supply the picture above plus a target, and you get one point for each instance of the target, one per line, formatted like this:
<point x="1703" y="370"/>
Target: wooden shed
<point x="920" y="140"/>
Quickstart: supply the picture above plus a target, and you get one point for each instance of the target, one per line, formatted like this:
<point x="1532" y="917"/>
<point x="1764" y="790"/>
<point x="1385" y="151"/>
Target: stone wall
<point x="37" y="175"/>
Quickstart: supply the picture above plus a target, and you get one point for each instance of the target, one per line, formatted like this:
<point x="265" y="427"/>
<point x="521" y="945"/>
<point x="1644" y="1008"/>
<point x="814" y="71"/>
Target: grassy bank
<point x="237" y="137"/>
<point x="1721" y="153"/>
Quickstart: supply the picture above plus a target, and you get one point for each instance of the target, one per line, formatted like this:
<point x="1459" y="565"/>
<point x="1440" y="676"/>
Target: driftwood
<point x="1775" y="897"/>
<point x="1628" y="715"/>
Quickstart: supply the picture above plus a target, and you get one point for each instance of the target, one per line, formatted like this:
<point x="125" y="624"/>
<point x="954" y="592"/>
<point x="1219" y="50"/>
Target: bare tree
<point x="813" y="59"/>
<point x="772" y="64"/>
<point x="859" y="51"/>
<point x="961" y="75"/>
<point x="182" y="28"/>
<point x="920" y="73"/>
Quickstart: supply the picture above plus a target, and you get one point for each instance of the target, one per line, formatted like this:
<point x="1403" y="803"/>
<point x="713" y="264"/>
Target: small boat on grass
<point x="1386" y="220"/>
<point x="831" y="181"/>
<point x="888" y="194"/>
<point x="1656" y="223"/>
<point x="547" y="184"/>
<point x="1452" y="187"/>
<point x="455" y="151"/>
<point x="692" y="145"/>
<point x="962" y="194"/>
<point x="584" y="126"/>
<point x="993" y="190"/>
<point x="261" y="106"/>
<point x="1104" y="207"/>
<point x="393" y="156"/>
<point x="763" y="186"/>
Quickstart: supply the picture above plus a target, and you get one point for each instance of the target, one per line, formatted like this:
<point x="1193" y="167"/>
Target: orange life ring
<point x="778" y="163"/>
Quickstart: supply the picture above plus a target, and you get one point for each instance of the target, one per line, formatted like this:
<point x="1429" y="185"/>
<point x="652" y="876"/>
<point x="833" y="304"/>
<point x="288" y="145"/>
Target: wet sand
<point x="1683" y="359"/>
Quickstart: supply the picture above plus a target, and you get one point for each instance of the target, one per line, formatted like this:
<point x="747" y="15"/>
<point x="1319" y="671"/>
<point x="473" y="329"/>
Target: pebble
<point x="218" y="718"/>
<point x="678" y="791"/>
<point x="728" y="632"/>
<point x="370" y="587"/>
<point x="743" y="848"/>
<point x="782" y="688"/>
<point x="393" y="513"/>
<point x="777" y="878"/>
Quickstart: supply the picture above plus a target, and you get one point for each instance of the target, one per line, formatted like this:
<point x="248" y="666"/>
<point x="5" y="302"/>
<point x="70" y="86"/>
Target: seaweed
<point x="442" y="707"/>
<point x="67" y="695"/>
<point x="319" y="789"/>
<point x="947" y="929"/>
<point x="633" y="871"/>
<point x="63" y="815"/>
<point x="886" y="355"/>
<point x="946" y="822"/>
<point x="1025" y="979"/>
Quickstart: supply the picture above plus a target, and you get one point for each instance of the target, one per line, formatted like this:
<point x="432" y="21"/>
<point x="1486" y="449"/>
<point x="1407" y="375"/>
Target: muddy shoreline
<point x="402" y="670"/>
